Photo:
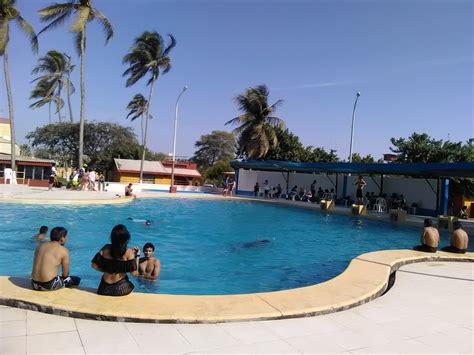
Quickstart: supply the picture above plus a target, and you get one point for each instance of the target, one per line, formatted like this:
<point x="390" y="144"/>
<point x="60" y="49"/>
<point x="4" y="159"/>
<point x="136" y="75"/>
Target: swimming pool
<point x="203" y="244"/>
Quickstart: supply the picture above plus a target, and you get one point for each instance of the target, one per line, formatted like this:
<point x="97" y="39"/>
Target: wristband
<point x="137" y="255"/>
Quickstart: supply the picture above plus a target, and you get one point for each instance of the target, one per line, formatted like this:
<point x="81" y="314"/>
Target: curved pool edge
<point x="365" y="279"/>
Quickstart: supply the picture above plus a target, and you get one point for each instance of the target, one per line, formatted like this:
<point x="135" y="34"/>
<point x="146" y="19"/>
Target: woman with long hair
<point x="115" y="260"/>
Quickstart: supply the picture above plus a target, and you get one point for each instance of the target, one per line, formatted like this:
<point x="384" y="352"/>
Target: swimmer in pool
<point x="147" y="222"/>
<point x="255" y="243"/>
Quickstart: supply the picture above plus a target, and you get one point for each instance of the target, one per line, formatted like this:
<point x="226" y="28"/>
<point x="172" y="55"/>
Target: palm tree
<point x="44" y="91"/>
<point x="70" y="87"/>
<point x="257" y="125"/>
<point x="9" y="13"/>
<point x="54" y="67"/>
<point x="148" y="55"/>
<point x="84" y="12"/>
<point x="137" y="107"/>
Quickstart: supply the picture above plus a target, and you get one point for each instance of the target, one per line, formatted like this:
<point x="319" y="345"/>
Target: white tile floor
<point x="429" y="310"/>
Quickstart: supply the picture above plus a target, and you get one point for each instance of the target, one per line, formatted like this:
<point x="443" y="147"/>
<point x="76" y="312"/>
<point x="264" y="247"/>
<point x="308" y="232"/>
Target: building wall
<point x="414" y="190"/>
<point x="134" y="178"/>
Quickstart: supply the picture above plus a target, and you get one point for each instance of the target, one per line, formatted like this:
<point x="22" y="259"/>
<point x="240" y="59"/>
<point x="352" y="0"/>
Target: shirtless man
<point x="459" y="240"/>
<point x="149" y="266"/>
<point x="48" y="257"/>
<point x="42" y="235"/>
<point x="429" y="238"/>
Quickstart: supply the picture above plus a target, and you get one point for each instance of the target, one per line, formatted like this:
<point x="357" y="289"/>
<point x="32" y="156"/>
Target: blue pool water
<point x="201" y="242"/>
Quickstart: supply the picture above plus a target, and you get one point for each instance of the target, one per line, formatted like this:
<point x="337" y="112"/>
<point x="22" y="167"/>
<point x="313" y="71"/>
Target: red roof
<point x="4" y="120"/>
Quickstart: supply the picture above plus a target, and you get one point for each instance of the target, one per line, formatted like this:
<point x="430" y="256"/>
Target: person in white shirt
<point x="92" y="176"/>
<point x="266" y="189"/>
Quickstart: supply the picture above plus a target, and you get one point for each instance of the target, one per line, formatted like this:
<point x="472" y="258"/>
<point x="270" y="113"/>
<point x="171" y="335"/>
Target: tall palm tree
<point x="84" y="13"/>
<point x="9" y="13"/>
<point x="257" y="125"/>
<point x="70" y="88"/>
<point x="137" y="107"/>
<point x="54" y="67"/>
<point x="148" y="55"/>
<point x="44" y="91"/>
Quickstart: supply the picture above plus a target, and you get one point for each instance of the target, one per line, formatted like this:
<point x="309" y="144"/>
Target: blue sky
<point x="411" y="60"/>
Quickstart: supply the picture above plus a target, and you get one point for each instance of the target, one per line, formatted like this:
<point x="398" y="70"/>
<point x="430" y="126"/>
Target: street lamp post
<point x="352" y="129"/>
<point x="174" y="137"/>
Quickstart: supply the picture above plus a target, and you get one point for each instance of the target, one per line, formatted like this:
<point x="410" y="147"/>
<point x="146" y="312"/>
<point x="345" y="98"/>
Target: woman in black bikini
<point x="115" y="260"/>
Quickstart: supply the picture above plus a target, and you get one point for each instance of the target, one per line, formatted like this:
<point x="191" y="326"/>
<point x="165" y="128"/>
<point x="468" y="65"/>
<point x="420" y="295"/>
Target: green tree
<point x="356" y="158"/>
<point x="8" y="14"/>
<point x="257" y="125"/>
<point x="84" y="13"/>
<point x="105" y="141"/>
<point x="218" y="145"/>
<point x="421" y="148"/>
<point x="288" y="148"/>
<point x="43" y="93"/>
<point x="25" y="150"/>
<point x="315" y="155"/>
<point x="215" y="173"/>
<point x="54" y="67"/>
<point x="138" y="107"/>
<point x="148" y="55"/>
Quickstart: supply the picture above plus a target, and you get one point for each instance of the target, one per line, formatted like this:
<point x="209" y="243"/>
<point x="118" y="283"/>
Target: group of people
<point x="115" y="260"/>
<point x="268" y="191"/>
<point x="87" y="179"/>
<point x="429" y="240"/>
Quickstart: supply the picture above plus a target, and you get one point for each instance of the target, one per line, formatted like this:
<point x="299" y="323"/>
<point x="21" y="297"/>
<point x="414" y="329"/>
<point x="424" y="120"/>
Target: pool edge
<point x="365" y="279"/>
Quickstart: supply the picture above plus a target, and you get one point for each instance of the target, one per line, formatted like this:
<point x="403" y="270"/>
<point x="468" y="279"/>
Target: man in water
<point x="147" y="222"/>
<point x="48" y="257"/>
<point x="429" y="238"/>
<point x="459" y="240"/>
<point x="149" y="266"/>
<point x="42" y="235"/>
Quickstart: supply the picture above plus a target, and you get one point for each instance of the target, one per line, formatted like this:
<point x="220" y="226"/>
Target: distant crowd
<point x="82" y="179"/>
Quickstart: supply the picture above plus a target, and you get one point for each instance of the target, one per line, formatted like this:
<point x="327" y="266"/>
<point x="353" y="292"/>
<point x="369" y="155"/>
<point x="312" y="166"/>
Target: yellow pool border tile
<point x="366" y="278"/>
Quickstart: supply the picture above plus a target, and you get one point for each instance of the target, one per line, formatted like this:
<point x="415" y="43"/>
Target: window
<point x="38" y="173"/>
<point x="148" y="179"/>
<point x="29" y="171"/>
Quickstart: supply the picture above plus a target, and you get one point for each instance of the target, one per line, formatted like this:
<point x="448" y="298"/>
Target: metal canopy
<point x="436" y="170"/>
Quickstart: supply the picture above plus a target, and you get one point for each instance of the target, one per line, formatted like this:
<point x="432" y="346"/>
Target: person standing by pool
<point x="429" y="238"/>
<point x="149" y="266"/>
<point x="313" y="188"/>
<point x="360" y="186"/>
<point x="256" y="189"/>
<point x="115" y="260"/>
<point x="459" y="240"/>
<point x="266" y="188"/>
<point x="48" y="257"/>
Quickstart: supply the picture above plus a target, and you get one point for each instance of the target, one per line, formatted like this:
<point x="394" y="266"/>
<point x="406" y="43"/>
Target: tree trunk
<point x="146" y="128"/>
<point x="58" y="101"/>
<point x="83" y="99"/>
<point x="142" y="120"/>
<point x="10" y="109"/>
<point x="69" y="88"/>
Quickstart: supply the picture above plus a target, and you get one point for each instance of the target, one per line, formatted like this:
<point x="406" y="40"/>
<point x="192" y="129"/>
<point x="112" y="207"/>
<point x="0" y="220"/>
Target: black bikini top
<point x="114" y="266"/>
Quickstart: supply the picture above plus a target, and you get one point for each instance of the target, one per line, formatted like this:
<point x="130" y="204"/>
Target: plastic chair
<point x="380" y="205"/>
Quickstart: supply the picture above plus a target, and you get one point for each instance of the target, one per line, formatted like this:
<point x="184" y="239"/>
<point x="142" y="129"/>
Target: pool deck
<point x="428" y="310"/>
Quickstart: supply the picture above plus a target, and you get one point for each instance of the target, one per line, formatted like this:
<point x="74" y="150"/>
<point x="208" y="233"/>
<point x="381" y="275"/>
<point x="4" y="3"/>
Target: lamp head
<point x="185" y="88"/>
<point x="358" y="94"/>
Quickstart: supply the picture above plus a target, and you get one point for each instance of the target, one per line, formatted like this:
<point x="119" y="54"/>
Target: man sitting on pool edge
<point x="429" y="238"/>
<point x="48" y="257"/>
<point x="459" y="240"/>
<point x="149" y="266"/>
